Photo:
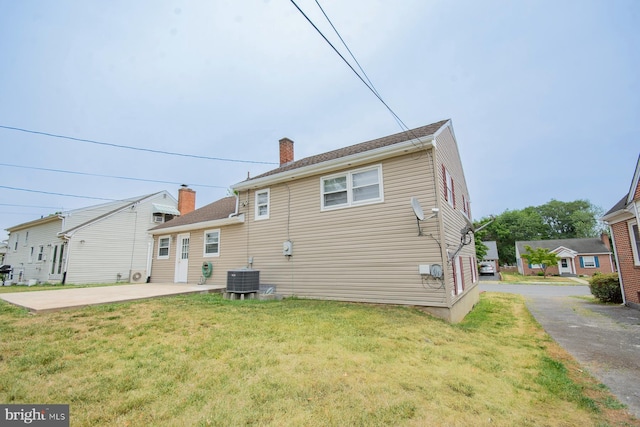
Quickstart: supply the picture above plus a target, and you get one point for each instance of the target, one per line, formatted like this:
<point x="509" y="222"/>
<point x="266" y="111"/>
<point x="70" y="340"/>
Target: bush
<point x="606" y="287"/>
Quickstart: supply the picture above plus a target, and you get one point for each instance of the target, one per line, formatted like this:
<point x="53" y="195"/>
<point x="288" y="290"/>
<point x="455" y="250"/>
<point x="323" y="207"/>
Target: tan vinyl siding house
<point x="348" y="217"/>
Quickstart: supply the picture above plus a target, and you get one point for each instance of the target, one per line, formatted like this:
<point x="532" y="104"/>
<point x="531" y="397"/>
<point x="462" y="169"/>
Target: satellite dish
<point x="417" y="209"/>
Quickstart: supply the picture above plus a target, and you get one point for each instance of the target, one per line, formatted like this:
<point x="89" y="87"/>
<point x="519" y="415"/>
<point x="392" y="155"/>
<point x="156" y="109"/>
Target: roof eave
<point x="239" y="219"/>
<point x="339" y="163"/>
<point x="34" y="223"/>
<point x="619" y="215"/>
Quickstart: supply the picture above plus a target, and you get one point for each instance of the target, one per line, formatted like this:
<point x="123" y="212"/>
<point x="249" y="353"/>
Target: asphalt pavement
<point x="603" y="338"/>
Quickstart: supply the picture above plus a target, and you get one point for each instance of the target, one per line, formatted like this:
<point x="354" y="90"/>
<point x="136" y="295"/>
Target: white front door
<point x="182" y="258"/>
<point x="564" y="266"/>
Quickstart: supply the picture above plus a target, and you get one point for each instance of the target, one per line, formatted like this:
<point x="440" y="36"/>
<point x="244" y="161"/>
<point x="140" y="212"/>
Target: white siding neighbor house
<point x="344" y="225"/>
<point x="104" y="243"/>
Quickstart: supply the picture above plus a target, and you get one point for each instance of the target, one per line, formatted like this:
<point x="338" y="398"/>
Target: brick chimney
<point x="286" y="151"/>
<point x="605" y="239"/>
<point x="186" y="200"/>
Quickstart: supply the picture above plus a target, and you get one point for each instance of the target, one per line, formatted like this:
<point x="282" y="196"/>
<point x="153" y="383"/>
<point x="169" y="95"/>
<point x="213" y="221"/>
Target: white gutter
<point x="199" y="225"/>
<point x="339" y="163"/>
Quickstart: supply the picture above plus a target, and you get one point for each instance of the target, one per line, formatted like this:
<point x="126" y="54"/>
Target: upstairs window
<point x="212" y="243"/>
<point x="40" y="253"/>
<point x="449" y="188"/>
<point x="358" y="187"/>
<point x="262" y="204"/>
<point x="163" y="247"/>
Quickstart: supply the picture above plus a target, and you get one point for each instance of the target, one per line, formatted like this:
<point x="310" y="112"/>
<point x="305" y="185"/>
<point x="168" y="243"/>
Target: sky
<point x="543" y="95"/>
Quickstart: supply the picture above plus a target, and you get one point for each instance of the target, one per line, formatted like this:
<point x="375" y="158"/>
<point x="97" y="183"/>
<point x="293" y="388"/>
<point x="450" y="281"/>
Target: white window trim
<point x="257" y="215"/>
<point x="32" y="251"/>
<point x="592" y="260"/>
<point x="449" y="187"/>
<point x="349" y="175"/>
<point x="161" y="247"/>
<point x="473" y="264"/>
<point x="40" y="257"/>
<point x="204" y="248"/>
<point x="634" y="244"/>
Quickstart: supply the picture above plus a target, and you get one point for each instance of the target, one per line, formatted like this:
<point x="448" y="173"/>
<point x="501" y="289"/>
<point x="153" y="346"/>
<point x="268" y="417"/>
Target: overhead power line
<point x="30" y="206"/>
<point x="148" y="150"/>
<point x="56" y="194"/>
<point x="370" y="87"/>
<point x="107" y="176"/>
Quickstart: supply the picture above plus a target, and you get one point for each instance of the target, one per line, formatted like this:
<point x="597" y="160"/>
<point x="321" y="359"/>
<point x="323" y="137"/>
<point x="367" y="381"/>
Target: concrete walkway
<point x="603" y="338"/>
<point x="63" y="299"/>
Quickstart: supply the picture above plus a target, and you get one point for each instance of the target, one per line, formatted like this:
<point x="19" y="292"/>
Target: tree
<point x="567" y="220"/>
<point x="481" y="248"/>
<point x="542" y="257"/>
<point x="511" y="226"/>
<point x="553" y="220"/>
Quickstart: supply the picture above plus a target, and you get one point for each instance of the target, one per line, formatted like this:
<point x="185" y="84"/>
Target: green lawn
<point x="551" y="280"/>
<point x="200" y="360"/>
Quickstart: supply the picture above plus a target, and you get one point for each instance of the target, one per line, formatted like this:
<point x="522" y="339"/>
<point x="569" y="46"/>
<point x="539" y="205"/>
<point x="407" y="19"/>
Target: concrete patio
<point x="70" y="298"/>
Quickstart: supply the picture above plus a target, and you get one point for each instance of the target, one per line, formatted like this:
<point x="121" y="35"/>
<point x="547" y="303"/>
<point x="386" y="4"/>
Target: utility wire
<point x="148" y="150"/>
<point x="30" y="206"/>
<point x="56" y="194"/>
<point x="106" y="176"/>
<point x="348" y="50"/>
<point x="398" y="119"/>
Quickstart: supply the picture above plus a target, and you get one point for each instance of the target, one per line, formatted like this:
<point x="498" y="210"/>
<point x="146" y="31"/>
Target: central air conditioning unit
<point x="138" y="276"/>
<point x="243" y="281"/>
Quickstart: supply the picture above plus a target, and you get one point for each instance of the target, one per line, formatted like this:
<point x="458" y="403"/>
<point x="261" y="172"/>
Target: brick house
<point x="578" y="257"/>
<point x="623" y="220"/>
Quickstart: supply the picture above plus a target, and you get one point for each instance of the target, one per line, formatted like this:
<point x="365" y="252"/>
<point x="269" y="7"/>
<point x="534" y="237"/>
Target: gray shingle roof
<point x="219" y="209"/>
<point x="582" y="246"/>
<point x="492" y="250"/>
<point x="618" y="206"/>
<point x="420" y="132"/>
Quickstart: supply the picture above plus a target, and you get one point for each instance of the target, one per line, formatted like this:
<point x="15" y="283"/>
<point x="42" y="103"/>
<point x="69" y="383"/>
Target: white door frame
<point x="182" y="258"/>
<point x="569" y="267"/>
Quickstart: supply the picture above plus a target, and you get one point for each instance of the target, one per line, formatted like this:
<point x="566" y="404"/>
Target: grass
<point x="512" y="278"/>
<point x="200" y="360"/>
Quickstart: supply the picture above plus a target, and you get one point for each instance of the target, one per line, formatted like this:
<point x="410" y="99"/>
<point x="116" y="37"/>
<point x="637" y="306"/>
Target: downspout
<point x="149" y="260"/>
<point x="67" y="255"/>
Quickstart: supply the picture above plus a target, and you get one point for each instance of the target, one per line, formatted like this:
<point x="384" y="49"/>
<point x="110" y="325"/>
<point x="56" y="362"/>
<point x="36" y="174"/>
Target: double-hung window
<point x="634" y="237"/>
<point x="41" y="253"/>
<point x="163" y="247"/>
<point x="353" y="188"/>
<point x="212" y="243"/>
<point x="589" y="261"/>
<point x="449" y="189"/>
<point x="262" y="204"/>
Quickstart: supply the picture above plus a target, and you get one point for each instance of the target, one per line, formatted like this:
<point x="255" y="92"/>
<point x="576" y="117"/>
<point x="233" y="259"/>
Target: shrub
<point x="606" y="287"/>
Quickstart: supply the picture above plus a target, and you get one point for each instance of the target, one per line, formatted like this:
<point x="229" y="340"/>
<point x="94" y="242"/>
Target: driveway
<point x="62" y="299"/>
<point x="605" y="339"/>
